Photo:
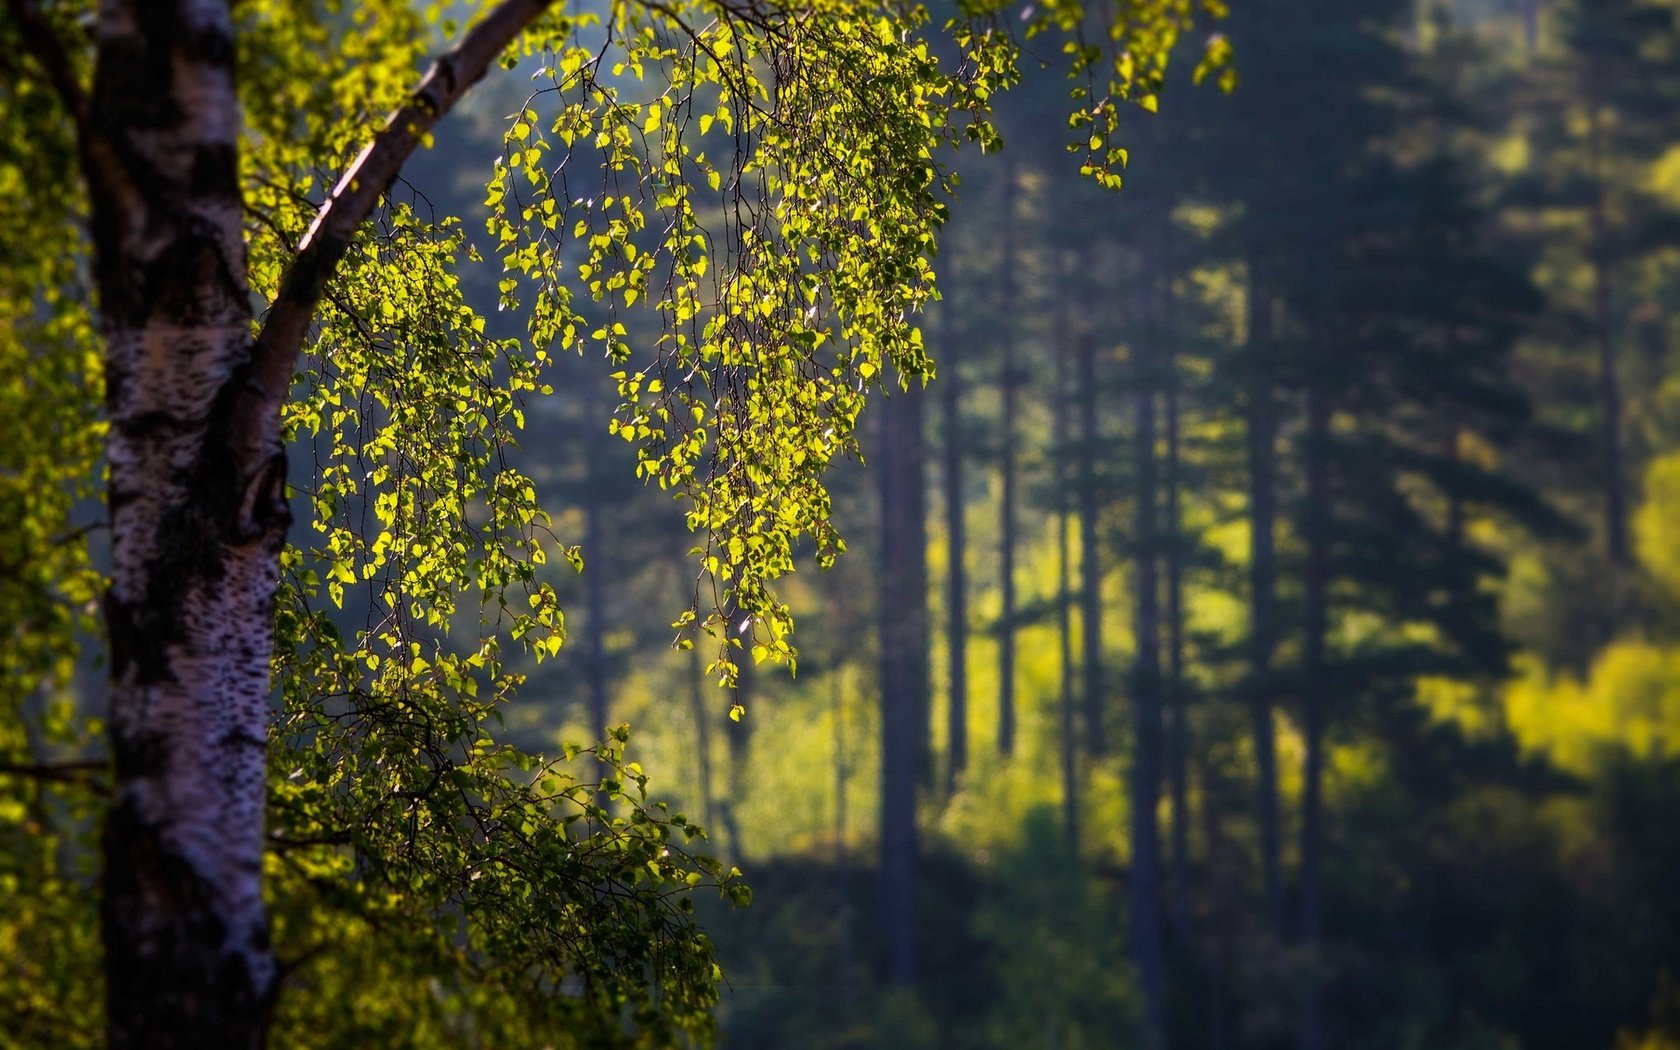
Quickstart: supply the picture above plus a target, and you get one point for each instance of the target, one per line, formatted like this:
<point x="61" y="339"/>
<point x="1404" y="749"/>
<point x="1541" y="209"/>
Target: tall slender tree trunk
<point x="1531" y="25"/>
<point x="1609" y="382"/>
<point x="1316" y="584"/>
<point x="1221" y="949"/>
<point x="1090" y="552"/>
<point x="1650" y="322"/>
<point x="1455" y="502"/>
<point x="699" y="709"/>
<point x="737" y="734"/>
<point x="1262" y="575"/>
<point x="1145" y="882"/>
<point x="595" y="602"/>
<point x="1176" y="707"/>
<point x="1068" y="748"/>
<point x="956" y="531"/>
<point x="1178" y="700"/>
<point x="842" y="863"/>
<point x="1007" y="540"/>
<point x="595" y="629"/>
<point x="904" y="669"/>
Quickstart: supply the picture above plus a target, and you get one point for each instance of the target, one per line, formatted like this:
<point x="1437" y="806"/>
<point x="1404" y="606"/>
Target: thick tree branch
<point x="368" y="178"/>
<point x="44" y="46"/>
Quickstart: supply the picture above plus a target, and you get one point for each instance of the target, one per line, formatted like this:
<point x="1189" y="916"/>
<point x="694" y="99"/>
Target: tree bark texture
<point x="198" y="517"/>
<point x="904" y="669"/>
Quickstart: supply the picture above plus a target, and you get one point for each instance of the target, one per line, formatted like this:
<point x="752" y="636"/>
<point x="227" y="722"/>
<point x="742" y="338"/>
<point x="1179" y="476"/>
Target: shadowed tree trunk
<point x="1090" y="553"/>
<point x="956" y="602"/>
<point x="903" y="619"/>
<point x="1262" y="576"/>
<point x="1067" y="722"/>
<point x="595" y="600"/>
<point x="1455" y="501"/>
<point x="737" y="734"/>
<point x="842" y="862"/>
<point x="1219" y="946"/>
<point x="1009" y="381"/>
<point x="1649" y="321"/>
<point x="702" y="714"/>
<point x="1316" y="584"/>
<point x="197" y="490"/>
<point x="1178" y="706"/>
<point x="1145" y="882"/>
<point x="1609" y="382"/>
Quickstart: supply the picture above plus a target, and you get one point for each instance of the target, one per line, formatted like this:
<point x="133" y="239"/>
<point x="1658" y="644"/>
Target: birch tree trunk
<point x="198" y="517"/>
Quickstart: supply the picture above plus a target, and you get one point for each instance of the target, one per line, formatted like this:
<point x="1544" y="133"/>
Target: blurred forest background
<point x="1266" y="630"/>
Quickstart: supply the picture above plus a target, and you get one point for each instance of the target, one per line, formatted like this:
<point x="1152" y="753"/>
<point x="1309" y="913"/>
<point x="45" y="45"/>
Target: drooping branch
<point x="367" y="179"/>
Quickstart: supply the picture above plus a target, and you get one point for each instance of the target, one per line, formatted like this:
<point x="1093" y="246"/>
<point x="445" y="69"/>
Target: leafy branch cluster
<point x="769" y="182"/>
